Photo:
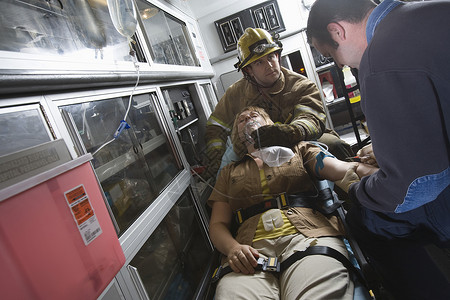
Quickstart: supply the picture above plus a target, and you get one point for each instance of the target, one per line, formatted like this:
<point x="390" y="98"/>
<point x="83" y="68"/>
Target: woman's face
<point x="248" y="121"/>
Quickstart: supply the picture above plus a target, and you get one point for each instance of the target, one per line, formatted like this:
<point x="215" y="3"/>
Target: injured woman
<point x="268" y="192"/>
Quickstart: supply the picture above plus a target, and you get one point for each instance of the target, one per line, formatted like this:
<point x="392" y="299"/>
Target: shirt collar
<point x="377" y="15"/>
<point x="279" y="85"/>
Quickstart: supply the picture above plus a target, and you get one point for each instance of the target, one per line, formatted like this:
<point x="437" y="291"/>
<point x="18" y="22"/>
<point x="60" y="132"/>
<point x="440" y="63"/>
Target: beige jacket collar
<point x="253" y="92"/>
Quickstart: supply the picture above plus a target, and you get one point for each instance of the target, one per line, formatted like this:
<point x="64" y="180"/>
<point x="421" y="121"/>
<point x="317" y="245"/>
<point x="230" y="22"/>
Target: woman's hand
<point x="243" y="259"/>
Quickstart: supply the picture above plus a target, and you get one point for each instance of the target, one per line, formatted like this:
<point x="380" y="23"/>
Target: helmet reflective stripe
<point x="262" y="47"/>
<point x="254" y="44"/>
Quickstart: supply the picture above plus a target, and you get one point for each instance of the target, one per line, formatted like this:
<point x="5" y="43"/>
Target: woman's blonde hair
<point x="239" y="146"/>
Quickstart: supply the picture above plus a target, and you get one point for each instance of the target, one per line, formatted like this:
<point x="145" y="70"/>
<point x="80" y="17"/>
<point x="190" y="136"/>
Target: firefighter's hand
<point x="349" y="178"/>
<point x="243" y="259"/>
<point x="212" y="161"/>
<point x="285" y="135"/>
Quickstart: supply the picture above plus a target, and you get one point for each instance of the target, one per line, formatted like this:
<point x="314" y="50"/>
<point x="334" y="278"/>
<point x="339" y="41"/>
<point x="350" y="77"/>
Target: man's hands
<point x="243" y="259"/>
<point x="285" y="135"/>
<point x="366" y="155"/>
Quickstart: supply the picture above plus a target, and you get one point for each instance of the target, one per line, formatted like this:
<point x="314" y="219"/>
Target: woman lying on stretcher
<point x="249" y="188"/>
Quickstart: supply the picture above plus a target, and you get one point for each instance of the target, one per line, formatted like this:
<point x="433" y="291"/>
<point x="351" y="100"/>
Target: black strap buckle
<point x="270" y="264"/>
<point x="239" y="217"/>
<point x="282" y="201"/>
<point x="216" y="275"/>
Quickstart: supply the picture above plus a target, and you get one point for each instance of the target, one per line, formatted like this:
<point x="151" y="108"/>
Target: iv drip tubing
<point x="132" y="53"/>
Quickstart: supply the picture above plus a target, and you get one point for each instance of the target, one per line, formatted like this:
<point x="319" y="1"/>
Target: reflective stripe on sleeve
<point x="301" y="110"/>
<point x="312" y="133"/>
<point x="216" y="144"/>
<point x="214" y="121"/>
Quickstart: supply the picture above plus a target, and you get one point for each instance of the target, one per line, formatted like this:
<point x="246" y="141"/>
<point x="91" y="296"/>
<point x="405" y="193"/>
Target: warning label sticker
<point x="83" y="214"/>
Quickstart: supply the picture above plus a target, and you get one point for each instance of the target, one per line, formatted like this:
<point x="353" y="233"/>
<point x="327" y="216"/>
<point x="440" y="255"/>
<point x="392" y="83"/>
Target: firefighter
<point x="291" y="100"/>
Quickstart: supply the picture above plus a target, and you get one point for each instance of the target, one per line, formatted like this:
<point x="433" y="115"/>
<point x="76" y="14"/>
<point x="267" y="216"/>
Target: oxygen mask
<point x="251" y="126"/>
<point x="273" y="156"/>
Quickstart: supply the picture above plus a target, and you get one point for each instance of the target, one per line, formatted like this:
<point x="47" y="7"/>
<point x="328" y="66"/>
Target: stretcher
<point x="366" y="282"/>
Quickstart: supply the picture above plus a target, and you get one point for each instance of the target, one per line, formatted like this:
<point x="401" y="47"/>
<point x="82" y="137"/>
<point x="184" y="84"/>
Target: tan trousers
<point x="314" y="277"/>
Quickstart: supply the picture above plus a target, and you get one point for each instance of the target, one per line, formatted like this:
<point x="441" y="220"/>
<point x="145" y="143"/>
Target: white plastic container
<point x="350" y="81"/>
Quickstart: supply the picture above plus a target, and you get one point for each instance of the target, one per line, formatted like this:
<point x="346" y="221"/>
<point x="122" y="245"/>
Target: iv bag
<point x="123" y="15"/>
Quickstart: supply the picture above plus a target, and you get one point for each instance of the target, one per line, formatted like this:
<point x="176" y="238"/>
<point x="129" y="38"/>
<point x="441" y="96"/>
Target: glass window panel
<point x="210" y="96"/>
<point x="172" y="261"/>
<point x="73" y="29"/>
<point x="21" y="129"/>
<point x="117" y="164"/>
<point x="125" y="165"/>
<point x="167" y="36"/>
<point x="96" y="123"/>
<point x="157" y="152"/>
<point x="182" y="49"/>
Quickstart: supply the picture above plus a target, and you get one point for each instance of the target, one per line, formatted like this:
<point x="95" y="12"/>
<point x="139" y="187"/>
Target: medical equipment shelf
<point x="109" y="169"/>
<point x="340" y="110"/>
<point x="353" y="117"/>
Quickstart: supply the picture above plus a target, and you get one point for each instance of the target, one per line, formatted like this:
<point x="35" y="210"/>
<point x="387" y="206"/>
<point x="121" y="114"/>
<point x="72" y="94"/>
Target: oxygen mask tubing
<point x="251" y="126"/>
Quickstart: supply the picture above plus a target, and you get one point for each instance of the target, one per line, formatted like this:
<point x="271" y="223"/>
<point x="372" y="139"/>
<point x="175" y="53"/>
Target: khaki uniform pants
<point x="313" y="277"/>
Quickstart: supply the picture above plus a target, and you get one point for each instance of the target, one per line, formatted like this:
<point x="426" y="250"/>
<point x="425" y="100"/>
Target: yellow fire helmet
<point x="254" y="44"/>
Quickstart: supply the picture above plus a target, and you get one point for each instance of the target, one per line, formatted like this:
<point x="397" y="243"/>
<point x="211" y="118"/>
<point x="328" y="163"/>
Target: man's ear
<point x="336" y="31"/>
<point x="248" y="70"/>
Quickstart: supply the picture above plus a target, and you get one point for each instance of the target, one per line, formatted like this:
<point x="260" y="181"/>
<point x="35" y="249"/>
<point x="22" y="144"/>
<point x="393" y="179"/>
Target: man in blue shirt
<point x="401" y="51"/>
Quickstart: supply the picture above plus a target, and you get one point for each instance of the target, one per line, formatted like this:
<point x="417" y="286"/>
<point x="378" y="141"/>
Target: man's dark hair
<point x="324" y="12"/>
